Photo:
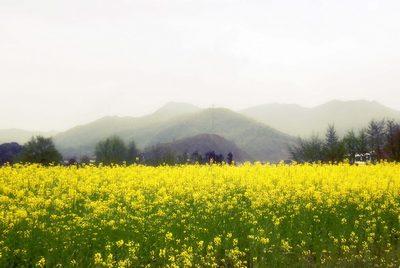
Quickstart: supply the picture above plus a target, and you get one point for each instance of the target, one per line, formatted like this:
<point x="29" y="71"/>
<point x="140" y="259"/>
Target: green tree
<point x="392" y="147"/>
<point x="308" y="150"/>
<point x="160" y="155"/>
<point x="362" y="143"/>
<point x="40" y="150"/>
<point x="376" y="137"/>
<point x="132" y="155"/>
<point x="111" y="151"/>
<point x="333" y="148"/>
<point x="351" y="142"/>
<point x="9" y="152"/>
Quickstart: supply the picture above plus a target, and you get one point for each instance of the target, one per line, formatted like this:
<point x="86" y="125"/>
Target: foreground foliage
<point x="252" y="215"/>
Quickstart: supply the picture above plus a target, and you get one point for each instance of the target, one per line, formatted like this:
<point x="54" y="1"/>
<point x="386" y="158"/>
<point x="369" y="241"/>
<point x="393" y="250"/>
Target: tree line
<point x="112" y="150"/>
<point x="157" y="155"/>
<point x="39" y="150"/>
<point x="380" y="140"/>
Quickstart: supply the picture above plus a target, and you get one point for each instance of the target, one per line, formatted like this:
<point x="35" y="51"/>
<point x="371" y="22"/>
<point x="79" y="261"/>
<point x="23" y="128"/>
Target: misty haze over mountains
<point x="262" y="132"/>
<point x="300" y="121"/>
<point x="255" y="138"/>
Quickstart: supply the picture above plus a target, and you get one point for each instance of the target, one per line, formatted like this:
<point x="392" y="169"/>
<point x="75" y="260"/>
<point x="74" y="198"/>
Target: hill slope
<point x="82" y="139"/>
<point x="299" y="121"/>
<point x="258" y="140"/>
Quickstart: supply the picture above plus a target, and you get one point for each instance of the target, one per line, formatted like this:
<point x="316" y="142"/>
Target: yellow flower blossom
<point x="249" y="215"/>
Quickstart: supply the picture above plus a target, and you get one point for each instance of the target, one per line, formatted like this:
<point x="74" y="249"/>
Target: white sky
<point x="64" y="63"/>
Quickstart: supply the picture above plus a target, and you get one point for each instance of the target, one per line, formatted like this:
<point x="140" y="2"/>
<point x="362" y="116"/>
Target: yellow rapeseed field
<point x="202" y="216"/>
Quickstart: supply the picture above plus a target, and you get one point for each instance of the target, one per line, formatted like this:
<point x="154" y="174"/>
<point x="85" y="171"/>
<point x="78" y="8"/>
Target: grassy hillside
<point x="82" y="139"/>
<point x="299" y="121"/>
<point x="259" y="141"/>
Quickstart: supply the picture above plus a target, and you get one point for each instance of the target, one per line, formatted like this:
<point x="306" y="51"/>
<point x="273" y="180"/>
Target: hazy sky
<point x="64" y="63"/>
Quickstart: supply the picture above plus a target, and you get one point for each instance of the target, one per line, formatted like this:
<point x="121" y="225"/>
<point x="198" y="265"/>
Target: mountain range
<point x="300" y="121"/>
<point x="255" y="138"/>
<point x="262" y="132"/>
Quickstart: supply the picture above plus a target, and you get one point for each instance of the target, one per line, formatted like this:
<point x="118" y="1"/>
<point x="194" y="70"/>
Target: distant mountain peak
<point x="345" y="114"/>
<point x="349" y="102"/>
<point x="174" y="109"/>
<point x="177" y="107"/>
